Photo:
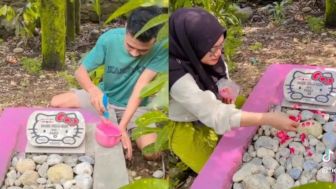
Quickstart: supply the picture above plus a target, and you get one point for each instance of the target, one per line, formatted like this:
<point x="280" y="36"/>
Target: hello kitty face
<point x="310" y="87"/>
<point x="55" y="129"/>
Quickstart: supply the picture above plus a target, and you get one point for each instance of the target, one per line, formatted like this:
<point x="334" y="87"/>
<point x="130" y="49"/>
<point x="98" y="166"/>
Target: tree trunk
<point x="77" y="15"/>
<point x="70" y="20"/>
<point x="331" y="13"/>
<point x="53" y="33"/>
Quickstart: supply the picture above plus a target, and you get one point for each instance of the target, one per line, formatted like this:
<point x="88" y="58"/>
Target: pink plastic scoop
<point x="107" y="134"/>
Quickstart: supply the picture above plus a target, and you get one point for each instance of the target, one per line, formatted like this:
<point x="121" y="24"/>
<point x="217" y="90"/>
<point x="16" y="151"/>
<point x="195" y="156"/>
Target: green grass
<point x="72" y="82"/>
<point x="316" y="24"/>
<point x="255" y="47"/>
<point x="32" y="65"/>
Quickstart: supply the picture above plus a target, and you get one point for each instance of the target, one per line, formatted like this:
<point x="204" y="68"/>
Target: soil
<point x="291" y="42"/>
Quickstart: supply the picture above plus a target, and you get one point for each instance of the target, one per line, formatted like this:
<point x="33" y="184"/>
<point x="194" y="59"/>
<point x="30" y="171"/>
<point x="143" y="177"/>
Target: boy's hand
<point x="127" y="144"/>
<point x="96" y="96"/>
<point x="281" y="121"/>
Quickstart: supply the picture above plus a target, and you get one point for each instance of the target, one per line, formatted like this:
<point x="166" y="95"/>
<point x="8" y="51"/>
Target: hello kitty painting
<point x="311" y="86"/>
<point x="56" y="129"/>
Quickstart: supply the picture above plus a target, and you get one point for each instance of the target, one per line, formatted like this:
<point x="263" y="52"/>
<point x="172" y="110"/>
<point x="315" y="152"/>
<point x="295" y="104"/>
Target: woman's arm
<point x="275" y="119"/>
<point x="221" y="117"/>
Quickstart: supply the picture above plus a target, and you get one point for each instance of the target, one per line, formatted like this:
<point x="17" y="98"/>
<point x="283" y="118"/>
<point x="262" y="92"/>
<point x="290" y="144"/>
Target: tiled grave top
<point x="311" y="86"/>
<point x="56" y="128"/>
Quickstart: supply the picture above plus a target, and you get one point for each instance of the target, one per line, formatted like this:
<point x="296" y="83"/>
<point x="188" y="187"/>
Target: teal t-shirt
<point x="121" y="69"/>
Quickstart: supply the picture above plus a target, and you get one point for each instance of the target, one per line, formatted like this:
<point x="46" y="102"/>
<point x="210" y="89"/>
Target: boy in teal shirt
<point x="130" y="64"/>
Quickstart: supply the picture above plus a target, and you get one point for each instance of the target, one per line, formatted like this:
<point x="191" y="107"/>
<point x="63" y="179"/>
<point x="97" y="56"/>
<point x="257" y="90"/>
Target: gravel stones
<point x="296" y="160"/>
<point x="41" y="171"/>
<point x="60" y="172"/>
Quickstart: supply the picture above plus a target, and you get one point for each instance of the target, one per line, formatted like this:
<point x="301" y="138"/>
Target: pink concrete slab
<point x="227" y="156"/>
<point x="12" y="132"/>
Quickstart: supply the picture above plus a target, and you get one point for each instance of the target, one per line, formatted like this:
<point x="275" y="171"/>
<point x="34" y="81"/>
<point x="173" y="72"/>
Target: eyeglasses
<point x="215" y="49"/>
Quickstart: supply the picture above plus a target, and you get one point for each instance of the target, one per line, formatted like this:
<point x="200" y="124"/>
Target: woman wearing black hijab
<point x="195" y="65"/>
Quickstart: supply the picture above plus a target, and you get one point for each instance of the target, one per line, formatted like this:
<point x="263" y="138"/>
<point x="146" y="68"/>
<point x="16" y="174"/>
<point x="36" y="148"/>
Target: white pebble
<point x="40" y="159"/>
<point x="54" y="159"/>
<point x="41" y="180"/>
<point x="87" y="159"/>
<point x="158" y="174"/>
<point x="83" y="168"/>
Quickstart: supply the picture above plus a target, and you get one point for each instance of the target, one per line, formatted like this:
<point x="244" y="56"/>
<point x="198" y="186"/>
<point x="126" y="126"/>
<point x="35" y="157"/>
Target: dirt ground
<point x="290" y="42"/>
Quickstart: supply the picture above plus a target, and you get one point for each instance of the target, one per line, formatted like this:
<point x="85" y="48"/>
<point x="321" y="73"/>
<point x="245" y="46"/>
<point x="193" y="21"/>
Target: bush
<point x="31" y="65"/>
<point x="315" y="24"/>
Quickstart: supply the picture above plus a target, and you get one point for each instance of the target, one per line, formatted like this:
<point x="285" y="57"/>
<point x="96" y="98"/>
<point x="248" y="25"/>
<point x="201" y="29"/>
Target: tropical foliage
<point x="23" y="20"/>
<point x="227" y="15"/>
<point x="27" y="22"/>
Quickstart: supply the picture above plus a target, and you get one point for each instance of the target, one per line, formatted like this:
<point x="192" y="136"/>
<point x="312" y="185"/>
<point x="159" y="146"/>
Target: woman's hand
<point x="127" y="144"/>
<point x="228" y="101"/>
<point x="281" y="121"/>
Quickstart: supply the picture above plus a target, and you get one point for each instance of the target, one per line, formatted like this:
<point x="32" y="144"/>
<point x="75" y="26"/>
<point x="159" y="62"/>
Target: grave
<point x="53" y="148"/>
<point x="263" y="157"/>
<point x="312" y="87"/>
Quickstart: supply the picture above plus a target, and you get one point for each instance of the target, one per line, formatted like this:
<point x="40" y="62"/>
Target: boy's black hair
<point x="139" y="18"/>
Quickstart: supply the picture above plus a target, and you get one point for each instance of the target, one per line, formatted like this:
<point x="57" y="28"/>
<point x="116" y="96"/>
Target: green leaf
<point x="154" y="86"/>
<point x="96" y="7"/>
<point x="319" y="185"/>
<point x="3" y="10"/>
<point x="161" y="99"/>
<point x="139" y="131"/>
<point x="162" y="3"/>
<point x="182" y="166"/>
<point x="193" y="144"/>
<point x="163" y="33"/>
<point x="161" y="143"/>
<point x="97" y="74"/>
<point x="129" y="6"/>
<point x="31" y="15"/>
<point x="157" y="20"/>
<point x="149" y="149"/>
<point x="151" y="117"/>
<point x="10" y="13"/>
<point x="148" y="183"/>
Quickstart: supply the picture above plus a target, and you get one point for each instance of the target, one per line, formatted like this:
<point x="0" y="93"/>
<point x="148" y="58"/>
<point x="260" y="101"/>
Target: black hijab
<point x="192" y="33"/>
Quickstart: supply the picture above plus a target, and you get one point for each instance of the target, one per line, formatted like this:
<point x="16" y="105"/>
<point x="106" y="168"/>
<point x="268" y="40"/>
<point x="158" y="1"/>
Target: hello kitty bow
<point x="63" y="117"/>
<point x="319" y="76"/>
